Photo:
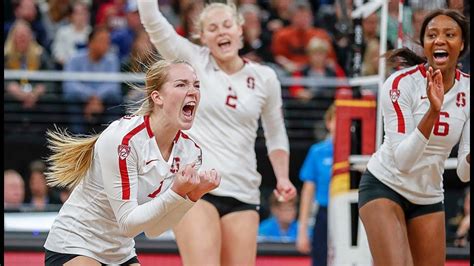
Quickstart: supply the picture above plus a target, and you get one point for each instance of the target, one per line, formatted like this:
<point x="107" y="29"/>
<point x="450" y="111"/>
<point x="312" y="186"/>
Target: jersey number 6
<point x="441" y="128"/>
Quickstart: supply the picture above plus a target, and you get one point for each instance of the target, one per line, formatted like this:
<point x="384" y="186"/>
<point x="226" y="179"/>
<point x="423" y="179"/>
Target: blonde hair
<point x="33" y="52"/>
<point x="71" y="158"/>
<point x="72" y="155"/>
<point x="156" y="75"/>
<point x="238" y="18"/>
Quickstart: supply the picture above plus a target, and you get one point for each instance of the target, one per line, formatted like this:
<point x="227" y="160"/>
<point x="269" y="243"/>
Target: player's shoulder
<point x="464" y="78"/>
<point x="406" y="77"/>
<point x="414" y="72"/>
<point x="127" y="129"/>
<point x="263" y="69"/>
<point x="260" y="70"/>
<point x="186" y="141"/>
<point x="188" y="150"/>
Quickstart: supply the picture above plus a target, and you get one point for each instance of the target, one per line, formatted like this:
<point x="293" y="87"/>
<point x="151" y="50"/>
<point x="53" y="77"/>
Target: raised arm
<point x="162" y="34"/>
<point x="464" y="154"/>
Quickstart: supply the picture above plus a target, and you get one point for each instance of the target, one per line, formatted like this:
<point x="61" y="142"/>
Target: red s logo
<point x="461" y="99"/>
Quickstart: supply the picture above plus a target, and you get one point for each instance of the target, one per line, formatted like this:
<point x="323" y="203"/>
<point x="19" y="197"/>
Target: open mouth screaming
<point x="440" y="56"/>
<point x="188" y="109"/>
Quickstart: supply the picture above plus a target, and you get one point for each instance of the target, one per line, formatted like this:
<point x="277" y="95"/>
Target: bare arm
<point x="285" y="190"/>
<point x="306" y="202"/>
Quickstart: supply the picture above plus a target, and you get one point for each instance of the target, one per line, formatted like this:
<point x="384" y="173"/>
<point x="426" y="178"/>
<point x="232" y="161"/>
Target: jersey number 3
<point x="441" y="128"/>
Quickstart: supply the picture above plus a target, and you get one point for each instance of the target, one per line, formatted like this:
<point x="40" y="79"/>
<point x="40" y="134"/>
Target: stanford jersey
<point x="125" y="192"/>
<point x="407" y="162"/>
<point x="226" y="122"/>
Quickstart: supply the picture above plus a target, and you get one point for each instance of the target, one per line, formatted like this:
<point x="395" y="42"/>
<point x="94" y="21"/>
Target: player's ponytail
<point x="403" y="57"/>
<point x="71" y="158"/>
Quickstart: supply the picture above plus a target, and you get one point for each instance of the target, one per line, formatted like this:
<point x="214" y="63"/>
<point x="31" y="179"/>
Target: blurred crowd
<point x="297" y="38"/>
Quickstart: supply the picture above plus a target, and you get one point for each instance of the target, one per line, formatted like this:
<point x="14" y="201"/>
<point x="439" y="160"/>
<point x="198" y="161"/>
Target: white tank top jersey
<point x="125" y="192"/>
<point x="226" y="121"/>
<point x="406" y="161"/>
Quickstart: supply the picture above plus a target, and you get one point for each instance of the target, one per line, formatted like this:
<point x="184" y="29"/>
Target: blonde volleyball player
<point x="138" y="175"/>
<point x="426" y="111"/>
<point x="221" y="229"/>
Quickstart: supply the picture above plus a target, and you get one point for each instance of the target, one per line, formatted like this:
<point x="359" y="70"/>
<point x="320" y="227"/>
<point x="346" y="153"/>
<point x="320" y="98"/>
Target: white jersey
<point x="125" y="192"/>
<point x="407" y="162"/>
<point x="226" y="121"/>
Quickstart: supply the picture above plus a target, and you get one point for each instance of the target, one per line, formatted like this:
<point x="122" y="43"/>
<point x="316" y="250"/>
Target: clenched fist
<point x="186" y="180"/>
<point x="209" y="180"/>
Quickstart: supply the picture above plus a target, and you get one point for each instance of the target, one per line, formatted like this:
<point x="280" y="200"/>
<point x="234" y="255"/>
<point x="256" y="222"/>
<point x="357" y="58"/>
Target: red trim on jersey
<point x="176" y="137"/>
<point x="398" y="110"/>
<point x="123" y="162"/>
<point x="422" y="69"/>
<point x="187" y="137"/>
<point x="458" y="74"/>
<point x="147" y="124"/>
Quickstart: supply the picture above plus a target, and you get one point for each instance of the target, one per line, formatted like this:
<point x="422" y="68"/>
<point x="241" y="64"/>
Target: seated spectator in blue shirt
<point x="93" y="103"/>
<point x="282" y="225"/>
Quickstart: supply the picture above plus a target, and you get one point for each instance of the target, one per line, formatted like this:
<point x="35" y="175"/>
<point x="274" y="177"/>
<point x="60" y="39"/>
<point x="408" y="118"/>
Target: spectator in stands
<point x="316" y="174"/>
<point x="188" y="17"/>
<point x="256" y="41"/>
<point x="410" y="41"/>
<point x="88" y="101"/>
<point x="28" y="11"/>
<point x="13" y="190"/>
<point x="122" y="37"/>
<point x="40" y="194"/>
<point x="54" y="14"/>
<point x="463" y="7"/>
<point x="279" y="15"/>
<point x="112" y="14"/>
<point x="73" y="36"/>
<point x="289" y="43"/>
<point x="464" y="226"/>
<point x="282" y="224"/>
<point x="370" y="48"/>
<point x="342" y="33"/>
<point x="319" y="67"/>
<point x="22" y="52"/>
<point x="140" y="54"/>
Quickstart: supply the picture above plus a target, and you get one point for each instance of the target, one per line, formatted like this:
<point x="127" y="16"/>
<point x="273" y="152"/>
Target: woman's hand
<point x="435" y="89"/>
<point x="186" y="180"/>
<point x="284" y="190"/>
<point x="209" y="180"/>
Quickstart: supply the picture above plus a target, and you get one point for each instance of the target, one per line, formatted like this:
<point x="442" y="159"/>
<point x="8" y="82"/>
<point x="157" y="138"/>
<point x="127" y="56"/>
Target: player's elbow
<point x="128" y="231"/>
